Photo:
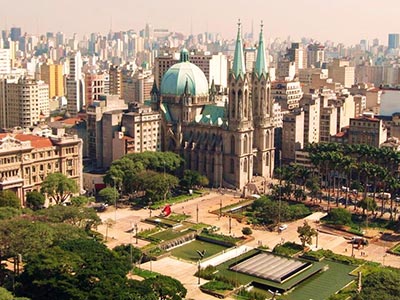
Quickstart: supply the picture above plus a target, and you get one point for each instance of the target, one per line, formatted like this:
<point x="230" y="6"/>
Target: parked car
<point x="282" y="227"/>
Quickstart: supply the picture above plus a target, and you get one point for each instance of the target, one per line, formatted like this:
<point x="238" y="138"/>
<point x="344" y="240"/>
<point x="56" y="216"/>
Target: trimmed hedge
<point x="217" y="286"/>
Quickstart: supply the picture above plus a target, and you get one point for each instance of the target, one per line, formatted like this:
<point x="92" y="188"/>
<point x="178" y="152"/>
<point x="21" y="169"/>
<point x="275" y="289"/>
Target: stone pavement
<point x="121" y="232"/>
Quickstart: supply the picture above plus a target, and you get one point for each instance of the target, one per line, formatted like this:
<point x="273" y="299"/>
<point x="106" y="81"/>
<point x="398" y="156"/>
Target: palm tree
<point x="393" y="184"/>
<point x="348" y="165"/>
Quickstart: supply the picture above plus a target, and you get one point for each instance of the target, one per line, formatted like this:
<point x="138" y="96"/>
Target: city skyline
<point x="339" y="21"/>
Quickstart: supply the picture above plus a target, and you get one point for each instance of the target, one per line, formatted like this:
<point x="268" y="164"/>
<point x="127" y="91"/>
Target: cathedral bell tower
<point x="262" y="114"/>
<point x="240" y="120"/>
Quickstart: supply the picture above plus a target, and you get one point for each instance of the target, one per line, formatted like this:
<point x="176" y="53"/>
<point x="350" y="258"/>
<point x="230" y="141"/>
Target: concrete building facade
<point x="26" y="160"/>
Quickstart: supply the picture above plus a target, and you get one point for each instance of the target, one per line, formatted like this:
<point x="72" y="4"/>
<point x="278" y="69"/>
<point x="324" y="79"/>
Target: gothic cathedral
<point x="229" y="140"/>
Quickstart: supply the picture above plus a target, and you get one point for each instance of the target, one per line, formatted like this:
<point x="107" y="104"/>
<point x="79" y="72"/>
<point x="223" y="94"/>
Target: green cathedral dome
<point x="174" y="80"/>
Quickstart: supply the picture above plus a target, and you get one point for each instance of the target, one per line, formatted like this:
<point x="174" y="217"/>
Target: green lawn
<point x="188" y="251"/>
<point x="321" y="286"/>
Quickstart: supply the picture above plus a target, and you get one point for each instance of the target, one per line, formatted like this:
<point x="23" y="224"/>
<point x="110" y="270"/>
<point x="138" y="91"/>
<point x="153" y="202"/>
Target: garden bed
<point x="288" y="249"/>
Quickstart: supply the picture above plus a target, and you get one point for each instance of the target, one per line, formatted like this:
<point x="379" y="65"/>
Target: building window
<point x="232" y="166"/>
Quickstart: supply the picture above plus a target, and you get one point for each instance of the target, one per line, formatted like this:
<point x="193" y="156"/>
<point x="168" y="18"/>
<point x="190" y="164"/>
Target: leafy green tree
<point x="76" y="269"/>
<point x="166" y="287"/>
<point x="306" y="232"/>
<point x="247" y="231"/>
<point x="35" y="200"/>
<point x="340" y="216"/>
<point x="9" y="199"/>
<point x="192" y="179"/>
<point x="58" y="187"/>
<point x="368" y="204"/>
<point x="383" y="284"/>
<point x="158" y="161"/>
<point x="6" y="295"/>
<point x="9" y="212"/>
<point x="85" y="218"/>
<point x="266" y="211"/>
<point x="156" y="185"/>
<point x="109" y="195"/>
<point x="127" y="251"/>
<point x="52" y="274"/>
<point x="23" y="236"/>
<point x="80" y="201"/>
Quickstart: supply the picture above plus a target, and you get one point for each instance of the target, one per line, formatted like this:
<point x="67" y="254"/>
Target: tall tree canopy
<point x="58" y="187"/>
<point x="9" y="199"/>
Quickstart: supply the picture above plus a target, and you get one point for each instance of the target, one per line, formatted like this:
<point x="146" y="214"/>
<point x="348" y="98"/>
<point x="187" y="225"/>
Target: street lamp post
<point x="230" y="224"/>
<point x="150" y="203"/>
<point x="197" y="213"/>
<point x="220" y="209"/>
<point x="164" y="178"/>
<point x="316" y="239"/>
<point x="130" y="244"/>
<point x="136" y="233"/>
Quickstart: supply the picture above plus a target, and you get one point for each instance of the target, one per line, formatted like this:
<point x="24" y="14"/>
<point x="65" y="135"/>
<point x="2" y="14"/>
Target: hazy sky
<point x="347" y="21"/>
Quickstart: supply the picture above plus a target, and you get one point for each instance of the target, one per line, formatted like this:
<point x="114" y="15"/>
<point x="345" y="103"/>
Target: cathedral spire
<point x="261" y="64"/>
<point x="239" y="68"/>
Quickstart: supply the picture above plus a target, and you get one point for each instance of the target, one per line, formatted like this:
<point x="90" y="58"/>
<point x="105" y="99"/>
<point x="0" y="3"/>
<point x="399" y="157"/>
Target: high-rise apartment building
<point x="5" y="62"/>
<point x="341" y="71"/>
<point x="115" y="75"/>
<point x="286" y="69"/>
<point x="315" y="55"/>
<point x="292" y="134"/>
<point x="393" y="40"/>
<point x="75" y="85"/>
<point x="312" y="107"/>
<point x="94" y="87"/>
<point x="52" y="74"/>
<point x="287" y="93"/>
<point x="140" y="131"/>
<point x="298" y="55"/>
<point x="15" y="33"/>
<point x="27" y="102"/>
<point x="367" y="130"/>
<point x="214" y="67"/>
<point x="95" y="114"/>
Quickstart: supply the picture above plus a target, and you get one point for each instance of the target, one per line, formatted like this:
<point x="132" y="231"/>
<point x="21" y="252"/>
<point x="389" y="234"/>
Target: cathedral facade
<point x="229" y="140"/>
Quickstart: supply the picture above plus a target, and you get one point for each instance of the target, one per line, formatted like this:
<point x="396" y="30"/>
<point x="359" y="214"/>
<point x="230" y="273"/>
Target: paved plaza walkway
<point x="122" y="232"/>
